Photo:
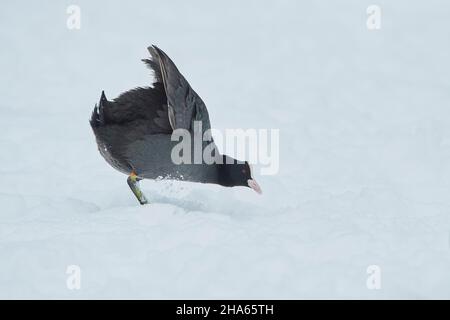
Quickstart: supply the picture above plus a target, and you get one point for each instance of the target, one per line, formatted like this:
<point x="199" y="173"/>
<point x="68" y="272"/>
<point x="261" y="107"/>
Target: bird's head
<point x="236" y="173"/>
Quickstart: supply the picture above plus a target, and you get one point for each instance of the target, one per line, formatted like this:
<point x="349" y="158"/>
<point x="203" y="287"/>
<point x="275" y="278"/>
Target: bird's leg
<point x="133" y="182"/>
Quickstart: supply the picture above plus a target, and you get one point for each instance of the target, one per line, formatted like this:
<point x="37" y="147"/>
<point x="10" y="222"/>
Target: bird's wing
<point x="184" y="104"/>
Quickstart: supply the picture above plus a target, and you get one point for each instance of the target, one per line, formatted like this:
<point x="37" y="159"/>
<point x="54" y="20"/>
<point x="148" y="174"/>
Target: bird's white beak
<point x="254" y="185"/>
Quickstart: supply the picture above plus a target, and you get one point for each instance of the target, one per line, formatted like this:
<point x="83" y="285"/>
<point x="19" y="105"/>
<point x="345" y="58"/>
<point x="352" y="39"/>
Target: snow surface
<point x="364" y="151"/>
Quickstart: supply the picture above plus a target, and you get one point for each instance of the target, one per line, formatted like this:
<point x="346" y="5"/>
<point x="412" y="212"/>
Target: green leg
<point x="133" y="182"/>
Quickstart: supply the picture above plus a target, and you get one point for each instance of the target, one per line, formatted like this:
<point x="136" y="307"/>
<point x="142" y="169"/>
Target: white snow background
<point x="364" y="174"/>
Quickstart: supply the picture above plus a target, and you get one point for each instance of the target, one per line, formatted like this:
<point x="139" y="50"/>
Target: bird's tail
<point x="98" y="115"/>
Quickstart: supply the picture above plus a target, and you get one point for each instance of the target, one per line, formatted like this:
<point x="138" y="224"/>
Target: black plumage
<point x="133" y="131"/>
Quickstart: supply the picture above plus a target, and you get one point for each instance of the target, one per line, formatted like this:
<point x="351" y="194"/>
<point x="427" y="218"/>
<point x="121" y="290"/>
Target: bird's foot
<point x="133" y="183"/>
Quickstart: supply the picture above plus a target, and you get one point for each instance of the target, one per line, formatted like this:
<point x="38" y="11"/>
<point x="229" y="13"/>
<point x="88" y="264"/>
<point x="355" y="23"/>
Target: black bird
<point x="135" y="133"/>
